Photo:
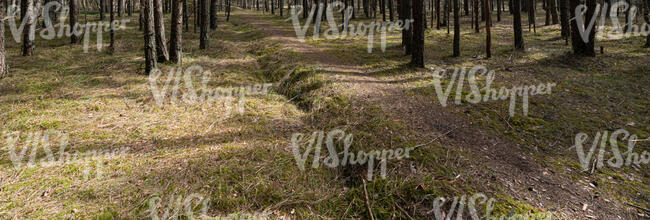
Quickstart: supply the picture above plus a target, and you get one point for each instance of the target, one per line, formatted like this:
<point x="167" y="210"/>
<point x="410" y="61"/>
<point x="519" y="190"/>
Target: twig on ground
<point x="365" y="191"/>
<point x="639" y="207"/>
<point x="425" y="144"/>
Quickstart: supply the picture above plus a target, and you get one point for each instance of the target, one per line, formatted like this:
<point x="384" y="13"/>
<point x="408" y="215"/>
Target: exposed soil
<point x="498" y="161"/>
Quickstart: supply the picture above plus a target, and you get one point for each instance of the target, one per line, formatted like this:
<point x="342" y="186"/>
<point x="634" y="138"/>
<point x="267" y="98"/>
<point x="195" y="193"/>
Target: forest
<point x="325" y="109"/>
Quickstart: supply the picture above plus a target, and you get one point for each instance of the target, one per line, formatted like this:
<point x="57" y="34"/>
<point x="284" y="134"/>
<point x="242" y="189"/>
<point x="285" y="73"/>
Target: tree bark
<point x="129" y="7"/>
<point x="102" y="4"/>
<point x="4" y="69"/>
<point x="213" y="14"/>
<point x="456" y="29"/>
<point x="175" y="41"/>
<point x="519" y="38"/>
<point x="531" y="16"/>
<point x="417" y="57"/>
<point x="488" y="33"/>
<point x="437" y="14"/>
<point x="580" y="47"/>
<point x="390" y="9"/>
<point x="564" y="18"/>
<point x="407" y="33"/>
<point x="646" y="16"/>
<point x="476" y="16"/>
<point x="228" y="12"/>
<point x="185" y="16"/>
<point x="205" y="25"/>
<point x="120" y="6"/>
<point x="161" y="41"/>
<point x="149" y="36"/>
<point x="74" y="36"/>
<point x="498" y="10"/>
<point x="111" y="47"/>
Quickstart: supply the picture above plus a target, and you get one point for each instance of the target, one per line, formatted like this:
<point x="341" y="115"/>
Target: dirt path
<point x="500" y="161"/>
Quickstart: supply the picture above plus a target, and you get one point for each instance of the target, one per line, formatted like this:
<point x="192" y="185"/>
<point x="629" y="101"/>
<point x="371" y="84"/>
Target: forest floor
<point x="244" y="162"/>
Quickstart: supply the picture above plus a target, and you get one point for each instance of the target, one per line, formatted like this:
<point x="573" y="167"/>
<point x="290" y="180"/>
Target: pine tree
<point x="175" y="41"/>
<point x="4" y="69"/>
<point x="456" y="29"/>
<point x="519" y="38"/>
<point x="30" y="26"/>
<point x="149" y="37"/>
<point x="205" y="25"/>
<point x="417" y="56"/>
<point x="161" y="41"/>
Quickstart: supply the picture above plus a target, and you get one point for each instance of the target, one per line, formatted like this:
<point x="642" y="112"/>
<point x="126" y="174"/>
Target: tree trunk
<point x="488" y="33"/>
<point x="213" y="14"/>
<point x="445" y="16"/>
<point x="74" y="37"/>
<point x="111" y="47"/>
<point x="382" y="9"/>
<point x="175" y="41"/>
<point x="205" y="26"/>
<point x="149" y="36"/>
<point x="161" y="41"/>
<point x="456" y="29"/>
<point x="23" y="9"/>
<point x="195" y="7"/>
<point x="531" y="16"/>
<point x="417" y="57"/>
<point x="564" y="18"/>
<point x="185" y="16"/>
<point x="554" y="11"/>
<point x="438" y="14"/>
<point x="646" y="16"/>
<point x="102" y="4"/>
<point x="4" y="69"/>
<point x="445" y="21"/>
<point x="129" y="8"/>
<point x="519" y="38"/>
<point x="628" y="19"/>
<point x="498" y="10"/>
<point x="407" y="34"/>
<point x="580" y="47"/>
<point x="482" y="7"/>
<point x="390" y="10"/>
<point x="547" y="9"/>
<point x="228" y="12"/>
<point x="476" y="16"/>
<point x="120" y="5"/>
